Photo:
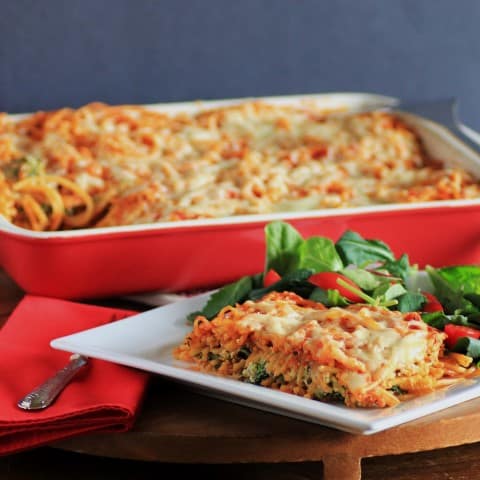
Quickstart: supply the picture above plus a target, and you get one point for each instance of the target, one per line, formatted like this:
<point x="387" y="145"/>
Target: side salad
<point x="359" y="270"/>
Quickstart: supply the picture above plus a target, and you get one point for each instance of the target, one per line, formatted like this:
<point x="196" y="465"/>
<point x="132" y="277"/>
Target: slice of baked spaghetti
<point x="363" y="355"/>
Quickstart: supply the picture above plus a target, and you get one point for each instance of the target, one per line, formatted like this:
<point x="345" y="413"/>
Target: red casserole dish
<point x="197" y="254"/>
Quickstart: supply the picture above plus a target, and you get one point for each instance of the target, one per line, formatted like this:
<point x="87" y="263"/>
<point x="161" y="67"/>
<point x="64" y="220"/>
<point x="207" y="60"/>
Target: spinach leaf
<point x="319" y="254"/>
<point x="282" y="241"/>
<point x="468" y="346"/>
<point x="438" y="320"/>
<point x="296" y="282"/>
<point x="410" y="302"/>
<point x="464" y="277"/>
<point x="396" y="390"/>
<point x="474" y="298"/>
<point x="474" y="319"/>
<point x="449" y="294"/>
<point x="398" y="268"/>
<point x="365" y="280"/>
<point x="257" y="280"/>
<point x="386" y="292"/>
<point x="330" y="298"/>
<point x="287" y="251"/>
<point x="255" y="372"/>
<point x="28" y="166"/>
<point x="354" y="249"/>
<point x="228" y="295"/>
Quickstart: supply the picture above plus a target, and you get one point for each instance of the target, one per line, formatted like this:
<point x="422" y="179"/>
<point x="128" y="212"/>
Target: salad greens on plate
<point x="358" y="270"/>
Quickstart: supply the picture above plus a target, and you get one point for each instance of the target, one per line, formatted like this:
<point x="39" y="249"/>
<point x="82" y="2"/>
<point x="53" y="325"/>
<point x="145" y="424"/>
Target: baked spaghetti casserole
<point x="363" y="355"/>
<point x="102" y="165"/>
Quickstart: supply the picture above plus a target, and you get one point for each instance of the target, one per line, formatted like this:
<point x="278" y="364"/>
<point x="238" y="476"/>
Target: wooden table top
<point x="177" y="425"/>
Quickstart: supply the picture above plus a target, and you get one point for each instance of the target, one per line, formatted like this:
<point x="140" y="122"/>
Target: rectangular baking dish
<point x="197" y="254"/>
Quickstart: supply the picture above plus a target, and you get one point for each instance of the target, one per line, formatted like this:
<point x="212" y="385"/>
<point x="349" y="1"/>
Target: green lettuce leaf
<point x="319" y="255"/>
<point x="399" y="268"/>
<point x="451" y="295"/>
<point x="410" y="302"/>
<point x="468" y="346"/>
<point x="230" y="294"/>
<point x="355" y="250"/>
<point x="465" y="278"/>
<point x="438" y="320"/>
<point x="282" y="244"/>
<point x="365" y="280"/>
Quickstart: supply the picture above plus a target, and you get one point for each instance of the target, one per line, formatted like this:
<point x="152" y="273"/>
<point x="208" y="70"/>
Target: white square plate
<point x="146" y="341"/>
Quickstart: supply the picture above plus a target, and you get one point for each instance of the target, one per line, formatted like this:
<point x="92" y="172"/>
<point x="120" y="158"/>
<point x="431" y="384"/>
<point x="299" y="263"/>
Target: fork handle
<point x="42" y="396"/>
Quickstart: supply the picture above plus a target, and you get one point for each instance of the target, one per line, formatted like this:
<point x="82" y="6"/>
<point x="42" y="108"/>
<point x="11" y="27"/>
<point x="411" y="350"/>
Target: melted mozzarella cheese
<point x="245" y="159"/>
<point x="377" y="341"/>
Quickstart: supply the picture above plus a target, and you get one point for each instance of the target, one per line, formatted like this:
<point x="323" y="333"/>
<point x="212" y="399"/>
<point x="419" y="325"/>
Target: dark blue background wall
<point x="69" y="52"/>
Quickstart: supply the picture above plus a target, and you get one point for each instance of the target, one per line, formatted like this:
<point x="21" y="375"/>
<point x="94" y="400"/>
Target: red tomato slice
<point x="432" y="304"/>
<point x="328" y="281"/>
<point x="455" y="332"/>
<point x="271" y="277"/>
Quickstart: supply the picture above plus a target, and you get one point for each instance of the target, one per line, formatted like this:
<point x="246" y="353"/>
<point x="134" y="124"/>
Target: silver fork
<point x="43" y="395"/>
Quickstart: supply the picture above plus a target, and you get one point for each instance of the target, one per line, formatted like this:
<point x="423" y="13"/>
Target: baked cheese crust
<point x="103" y="165"/>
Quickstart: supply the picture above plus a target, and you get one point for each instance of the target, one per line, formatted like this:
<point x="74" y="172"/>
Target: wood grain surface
<point x="205" y="436"/>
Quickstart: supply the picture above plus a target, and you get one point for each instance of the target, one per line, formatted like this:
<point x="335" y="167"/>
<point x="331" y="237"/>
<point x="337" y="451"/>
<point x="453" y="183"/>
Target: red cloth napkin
<point x="103" y="397"/>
